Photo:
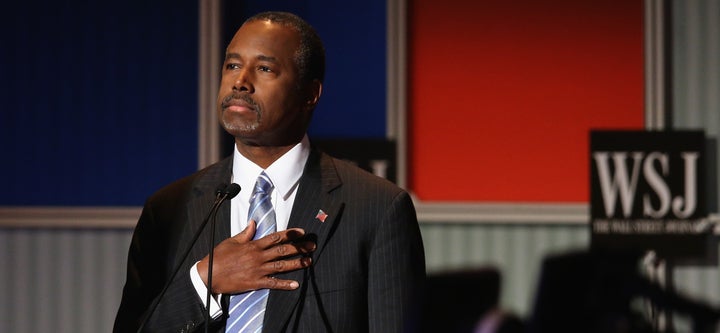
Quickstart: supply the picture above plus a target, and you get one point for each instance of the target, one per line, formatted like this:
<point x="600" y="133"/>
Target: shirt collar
<point x="285" y="172"/>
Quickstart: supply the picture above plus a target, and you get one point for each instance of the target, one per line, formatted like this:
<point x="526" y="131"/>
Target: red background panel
<point x="502" y="94"/>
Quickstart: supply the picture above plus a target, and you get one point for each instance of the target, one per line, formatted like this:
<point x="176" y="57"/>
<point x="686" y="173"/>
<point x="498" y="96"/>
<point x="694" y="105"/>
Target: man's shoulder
<point x="352" y="175"/>
<point x="208" y="177"/>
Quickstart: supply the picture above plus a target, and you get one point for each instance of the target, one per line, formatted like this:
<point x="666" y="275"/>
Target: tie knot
<point x="263" y="185"/>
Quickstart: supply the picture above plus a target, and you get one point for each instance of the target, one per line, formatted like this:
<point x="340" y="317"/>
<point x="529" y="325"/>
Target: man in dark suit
<point x="347" y="255"/>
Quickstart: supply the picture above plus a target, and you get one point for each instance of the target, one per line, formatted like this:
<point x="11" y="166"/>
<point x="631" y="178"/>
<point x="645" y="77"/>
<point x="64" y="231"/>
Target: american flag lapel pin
<point x="321" y="215"/>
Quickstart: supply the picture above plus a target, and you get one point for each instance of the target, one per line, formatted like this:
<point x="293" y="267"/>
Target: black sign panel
<point x="377" y="156"/>
<point x="647" y="192"/>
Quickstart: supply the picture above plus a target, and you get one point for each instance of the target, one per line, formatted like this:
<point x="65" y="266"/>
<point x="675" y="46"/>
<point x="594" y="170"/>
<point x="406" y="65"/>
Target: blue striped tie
<point x="248" y="309"/>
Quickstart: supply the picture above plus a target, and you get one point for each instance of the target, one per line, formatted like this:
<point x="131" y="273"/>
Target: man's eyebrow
<point x="267" y="58"/>
<point x="232" y="56"/>
<point x="260" y="57"/>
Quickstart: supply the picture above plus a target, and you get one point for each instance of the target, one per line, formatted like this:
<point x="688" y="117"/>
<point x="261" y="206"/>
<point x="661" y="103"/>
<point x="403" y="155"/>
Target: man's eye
<point x="232" y="66"/>
<point x="264" y="69"/>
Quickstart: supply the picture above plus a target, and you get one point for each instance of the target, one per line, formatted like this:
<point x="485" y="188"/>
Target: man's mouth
<point x="239" y="103"/>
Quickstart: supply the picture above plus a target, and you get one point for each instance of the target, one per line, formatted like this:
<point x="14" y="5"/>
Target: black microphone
<point x="231" y="190"/>
<point x="228" y="192"/>
<point x="222" y="193"/>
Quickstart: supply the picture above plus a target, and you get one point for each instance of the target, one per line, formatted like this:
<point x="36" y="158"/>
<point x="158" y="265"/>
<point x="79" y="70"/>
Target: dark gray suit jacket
<point x="368" y="270"/>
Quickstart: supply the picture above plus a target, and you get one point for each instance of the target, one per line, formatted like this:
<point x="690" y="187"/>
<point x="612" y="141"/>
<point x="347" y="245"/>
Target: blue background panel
<point x="101" y="107"/>
<point x="99" y="99"/>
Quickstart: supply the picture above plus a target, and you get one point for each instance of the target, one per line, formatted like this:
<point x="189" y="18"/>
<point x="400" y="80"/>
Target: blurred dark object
<point x="377" y="156"/>
<point x="460" y="301"/>
<point x="498" y="321"/>
<point x="592" y="292"/>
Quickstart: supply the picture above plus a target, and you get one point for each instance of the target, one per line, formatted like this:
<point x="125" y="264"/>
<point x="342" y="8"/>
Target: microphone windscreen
<point x="232" y="190"/>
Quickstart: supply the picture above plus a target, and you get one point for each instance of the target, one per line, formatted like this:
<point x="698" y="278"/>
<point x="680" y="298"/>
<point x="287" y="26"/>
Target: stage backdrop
<point x="502" y="94"/>
<point x="101" y="103"/>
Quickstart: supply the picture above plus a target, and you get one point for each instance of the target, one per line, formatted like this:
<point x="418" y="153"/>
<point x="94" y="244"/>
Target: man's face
<point x="260" y="102"/>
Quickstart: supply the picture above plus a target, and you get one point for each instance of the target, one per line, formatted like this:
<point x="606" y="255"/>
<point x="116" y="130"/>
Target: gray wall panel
<point x="70" y="280"/>
<point x="696" y="70"/>
<point x="61" y="280"/>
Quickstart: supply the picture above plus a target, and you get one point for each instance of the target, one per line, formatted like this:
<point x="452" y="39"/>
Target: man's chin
<point x="239" y="130"/>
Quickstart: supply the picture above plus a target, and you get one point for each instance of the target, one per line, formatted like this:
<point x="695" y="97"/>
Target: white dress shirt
<point x="285" y="175"/>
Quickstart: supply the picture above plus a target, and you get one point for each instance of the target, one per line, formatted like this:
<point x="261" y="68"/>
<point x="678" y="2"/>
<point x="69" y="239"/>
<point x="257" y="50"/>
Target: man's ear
<point x="314" y="91"/>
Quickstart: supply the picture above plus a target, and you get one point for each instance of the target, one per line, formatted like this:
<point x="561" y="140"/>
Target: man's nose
<point x="243" y="81"/>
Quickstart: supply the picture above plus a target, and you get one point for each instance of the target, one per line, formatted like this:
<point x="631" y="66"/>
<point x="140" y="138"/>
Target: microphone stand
<point x="221" y="194"/>
<point x="228" y="193"/>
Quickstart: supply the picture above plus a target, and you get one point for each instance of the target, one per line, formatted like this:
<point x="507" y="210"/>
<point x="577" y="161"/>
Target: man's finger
<point x="247" y="234"/>
<point x="273" y="283"/>
<point x="282" y="266"/>
<point x="280" y="237"/>
<point x="291" y="249"/>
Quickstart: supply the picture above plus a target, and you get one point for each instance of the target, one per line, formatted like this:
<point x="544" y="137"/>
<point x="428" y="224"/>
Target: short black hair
<point x="310" y="56"/>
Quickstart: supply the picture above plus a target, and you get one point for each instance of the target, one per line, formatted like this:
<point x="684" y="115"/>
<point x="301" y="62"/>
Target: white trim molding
<point x="69" y="217"/>
<point x="208" y="81"/>
<point x="655" y="76"/>
<point x="502" y="213"/>
<point x="396" y="105"/>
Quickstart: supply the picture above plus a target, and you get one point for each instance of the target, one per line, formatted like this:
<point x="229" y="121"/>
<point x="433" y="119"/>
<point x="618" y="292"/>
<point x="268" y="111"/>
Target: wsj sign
<point x="647" y="192"/>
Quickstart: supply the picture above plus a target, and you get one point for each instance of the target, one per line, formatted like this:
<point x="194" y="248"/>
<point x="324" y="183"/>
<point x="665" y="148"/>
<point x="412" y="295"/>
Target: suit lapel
<point x="314" y="194"/>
